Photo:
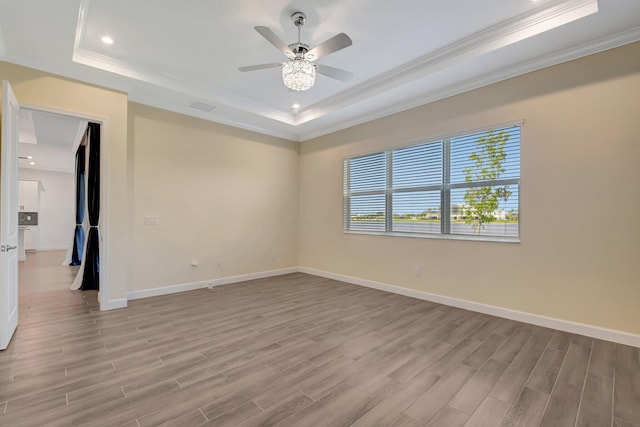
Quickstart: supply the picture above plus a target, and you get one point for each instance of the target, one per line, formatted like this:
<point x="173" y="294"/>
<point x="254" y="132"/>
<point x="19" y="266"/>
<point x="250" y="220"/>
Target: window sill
<point x="463" y="237"/>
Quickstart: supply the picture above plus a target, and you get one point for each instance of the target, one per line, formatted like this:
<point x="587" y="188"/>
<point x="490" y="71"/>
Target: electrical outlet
<point x="418" y="271"/>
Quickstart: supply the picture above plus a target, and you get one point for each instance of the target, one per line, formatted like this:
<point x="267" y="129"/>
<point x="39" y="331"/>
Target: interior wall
<point x="580" y="234"/>
<point x="56" y="208"/>
<point x="238" y="197"/>
<point x="224" y="197"/>
<point x="46" y="91"/>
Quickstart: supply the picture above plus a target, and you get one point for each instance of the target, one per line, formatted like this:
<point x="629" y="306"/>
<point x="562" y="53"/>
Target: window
<point x="467" y="186"/>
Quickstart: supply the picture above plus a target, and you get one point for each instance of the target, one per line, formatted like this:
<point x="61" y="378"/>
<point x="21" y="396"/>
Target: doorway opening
<point x="47" y="189"/>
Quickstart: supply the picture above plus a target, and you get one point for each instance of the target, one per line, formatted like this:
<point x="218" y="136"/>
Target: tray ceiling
<point x="184" y="56"/>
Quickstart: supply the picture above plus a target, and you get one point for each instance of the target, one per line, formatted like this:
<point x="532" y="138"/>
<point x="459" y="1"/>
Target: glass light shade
<point x="298" y="74"/>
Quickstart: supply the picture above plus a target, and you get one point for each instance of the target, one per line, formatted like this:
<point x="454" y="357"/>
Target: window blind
<point x="465" y="185"/>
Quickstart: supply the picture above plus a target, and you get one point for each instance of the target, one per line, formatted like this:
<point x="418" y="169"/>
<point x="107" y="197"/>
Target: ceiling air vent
<point x="197" y="105"/>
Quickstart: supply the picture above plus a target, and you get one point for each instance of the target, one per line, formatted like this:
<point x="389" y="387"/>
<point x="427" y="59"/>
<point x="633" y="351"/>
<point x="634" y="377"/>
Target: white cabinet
<point x="30" y="238"/>
<point x="27" y="240"/>
<point x="28" y="196"/>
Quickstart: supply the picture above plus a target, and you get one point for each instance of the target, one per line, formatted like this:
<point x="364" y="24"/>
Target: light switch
<point x="151" y="220"/>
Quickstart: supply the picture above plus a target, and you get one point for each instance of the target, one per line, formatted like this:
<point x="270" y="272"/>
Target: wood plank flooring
<point x="43" y="271"/>
<point x="299" y="350"/>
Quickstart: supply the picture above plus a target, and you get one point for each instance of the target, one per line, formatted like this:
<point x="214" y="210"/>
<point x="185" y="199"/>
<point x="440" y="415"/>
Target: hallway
<point x="43" y="272"/>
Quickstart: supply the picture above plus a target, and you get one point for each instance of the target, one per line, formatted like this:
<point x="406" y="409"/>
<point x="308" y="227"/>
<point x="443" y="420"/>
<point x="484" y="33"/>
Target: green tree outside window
<point x="482" y="202"/>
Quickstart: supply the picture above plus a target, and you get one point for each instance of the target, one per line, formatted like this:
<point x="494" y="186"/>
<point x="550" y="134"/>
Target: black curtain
<point x="78" y="237"/>
<point x="91" y="274"/>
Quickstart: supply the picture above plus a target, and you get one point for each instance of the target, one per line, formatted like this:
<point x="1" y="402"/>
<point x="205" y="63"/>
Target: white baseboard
<point x="520" y="316"/>
<point x="165" y="290"/>
<point x="183" y="287"/>
<point x="52" y="248"/>
<point x="113" y="304"/>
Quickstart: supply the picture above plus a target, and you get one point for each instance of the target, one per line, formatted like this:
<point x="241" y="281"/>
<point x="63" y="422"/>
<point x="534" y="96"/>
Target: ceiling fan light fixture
<point x="298" y="74"/>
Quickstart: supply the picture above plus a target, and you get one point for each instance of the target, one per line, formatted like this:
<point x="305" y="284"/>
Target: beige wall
<point x="229" y="196"/>
<point x="578" y="259"/>
<point x="37" y="89"/>
<point x="222" y="195"/>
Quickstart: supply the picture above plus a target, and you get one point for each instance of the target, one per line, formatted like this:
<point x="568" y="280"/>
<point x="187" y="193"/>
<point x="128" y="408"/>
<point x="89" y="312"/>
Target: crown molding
<point x="185" y="110"/>
<point x="492" y="38"/>
<point x="605" y="43"/>
<point x="107" y="63"/>
<point x="91" y="58"/>
<point x="150" y="100"/>
<point x="617" y="40"/>
<point x="487" y="40"/>
<point x="247" y="114"/>
<point x="3" y="45"/>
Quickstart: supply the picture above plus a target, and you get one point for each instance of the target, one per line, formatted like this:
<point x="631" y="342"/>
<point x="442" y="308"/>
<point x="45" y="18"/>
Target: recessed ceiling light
<point x="29" y="157"/>
<point x="32" y="163"/>
<point x="295" y="106"/>
<point x="107" y="40"/>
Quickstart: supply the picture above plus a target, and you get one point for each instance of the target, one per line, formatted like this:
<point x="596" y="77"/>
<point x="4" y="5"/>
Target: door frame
<point x="103" y="294"/>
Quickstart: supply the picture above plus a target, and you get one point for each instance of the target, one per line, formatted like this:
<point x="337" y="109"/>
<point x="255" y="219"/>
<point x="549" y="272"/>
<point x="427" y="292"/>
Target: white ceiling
<point x="169" y="54"/>
<point x="48" y="140"/>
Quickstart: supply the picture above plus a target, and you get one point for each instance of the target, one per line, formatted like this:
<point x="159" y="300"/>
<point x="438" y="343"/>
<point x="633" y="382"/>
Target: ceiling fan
<point x="299" y="72"/>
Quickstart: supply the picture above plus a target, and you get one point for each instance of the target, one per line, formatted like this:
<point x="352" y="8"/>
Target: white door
<point x="8" y="216"/>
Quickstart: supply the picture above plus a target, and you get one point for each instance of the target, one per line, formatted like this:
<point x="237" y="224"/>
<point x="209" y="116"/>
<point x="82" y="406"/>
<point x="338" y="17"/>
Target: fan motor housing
<point x="299" y="49"/>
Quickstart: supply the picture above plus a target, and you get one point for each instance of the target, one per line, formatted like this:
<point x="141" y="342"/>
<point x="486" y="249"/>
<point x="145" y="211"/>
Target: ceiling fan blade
<point x="260" y="67"/>
<point x="334" y="73"/>
<point x="274" y="39"/>
<point x="334" y="44"/>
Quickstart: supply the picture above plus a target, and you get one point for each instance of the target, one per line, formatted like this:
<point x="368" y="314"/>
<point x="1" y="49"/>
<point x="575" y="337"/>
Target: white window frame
<point x="445" y="188"/>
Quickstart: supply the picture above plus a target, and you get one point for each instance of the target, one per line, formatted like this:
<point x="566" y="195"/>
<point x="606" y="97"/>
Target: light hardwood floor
<point x="43" y="271"/>
<point x="299" y="350"/>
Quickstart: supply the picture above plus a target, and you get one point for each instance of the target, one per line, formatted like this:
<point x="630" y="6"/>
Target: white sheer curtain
<point x="88" y="277"/>
<point x="77" y="282"/>
<point x="80" y="140"/>
<point x="85" y="227"/>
